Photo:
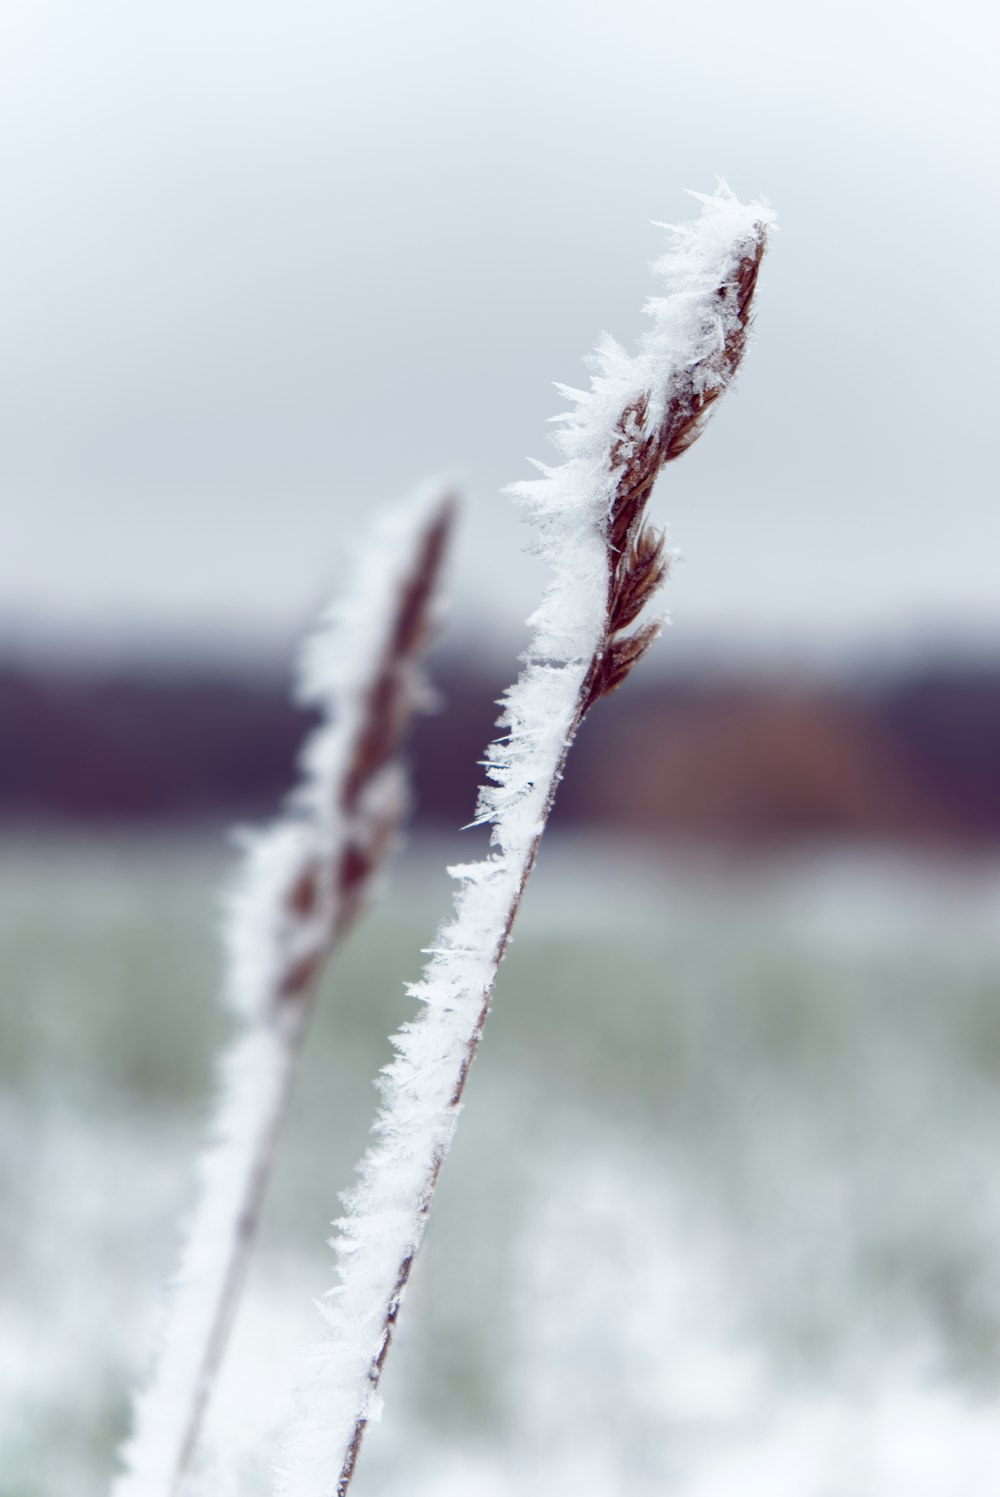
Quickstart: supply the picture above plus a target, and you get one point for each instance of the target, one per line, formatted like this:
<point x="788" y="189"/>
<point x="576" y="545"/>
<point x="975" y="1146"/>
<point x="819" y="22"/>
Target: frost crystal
<point x="300" y="885"/>
<point x="685" y="358"/>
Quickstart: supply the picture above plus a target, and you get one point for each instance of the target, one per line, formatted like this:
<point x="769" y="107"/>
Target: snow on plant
<point x="640" y="412"/>
<point x="302" y="883"/>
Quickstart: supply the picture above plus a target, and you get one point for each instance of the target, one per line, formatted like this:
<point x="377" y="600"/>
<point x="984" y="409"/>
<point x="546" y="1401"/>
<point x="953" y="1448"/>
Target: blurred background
<point x="722" y="1211"/>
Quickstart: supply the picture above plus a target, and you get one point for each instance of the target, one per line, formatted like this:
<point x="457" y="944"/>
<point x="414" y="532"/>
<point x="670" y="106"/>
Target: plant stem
<point x="471" y="1047"/>
<point x="303" y="884"/>
<point x="639" y="414"/>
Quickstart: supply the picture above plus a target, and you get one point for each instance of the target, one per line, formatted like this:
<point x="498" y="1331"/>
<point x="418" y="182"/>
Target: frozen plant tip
<point x="302" y="883"/>
<point x="640" y="412"/>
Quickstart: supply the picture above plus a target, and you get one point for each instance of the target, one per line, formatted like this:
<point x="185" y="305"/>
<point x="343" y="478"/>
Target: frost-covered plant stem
<point x="639" y="413"/>
<point x="301" y="886"/>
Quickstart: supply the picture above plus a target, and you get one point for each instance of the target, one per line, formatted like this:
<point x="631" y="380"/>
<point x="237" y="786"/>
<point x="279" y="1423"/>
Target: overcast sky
<point x="264" y="266"/>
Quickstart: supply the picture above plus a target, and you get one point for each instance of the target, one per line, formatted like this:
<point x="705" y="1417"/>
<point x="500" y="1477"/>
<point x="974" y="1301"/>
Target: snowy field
<point x="722" y="1214"/>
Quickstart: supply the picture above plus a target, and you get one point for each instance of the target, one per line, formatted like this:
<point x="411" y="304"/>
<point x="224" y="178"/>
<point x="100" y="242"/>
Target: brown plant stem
<point x="324" y="896"/>
<point x="637" y="565"/>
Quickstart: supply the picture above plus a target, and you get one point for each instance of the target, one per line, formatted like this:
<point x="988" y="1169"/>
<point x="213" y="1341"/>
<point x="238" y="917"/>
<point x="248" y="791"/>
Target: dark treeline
<point x="912" y="759"/>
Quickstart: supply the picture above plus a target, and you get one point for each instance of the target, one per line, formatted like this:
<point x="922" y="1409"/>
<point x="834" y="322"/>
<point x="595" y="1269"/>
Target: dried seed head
<point x="648" y="565"/>
<point x="325" y="897"/>
<point x="390" y="700"/>
<point x="637" y="559"/>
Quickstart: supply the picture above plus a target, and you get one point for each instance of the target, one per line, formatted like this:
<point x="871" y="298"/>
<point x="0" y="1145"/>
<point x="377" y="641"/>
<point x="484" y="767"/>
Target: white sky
<point x="266" y="265"/>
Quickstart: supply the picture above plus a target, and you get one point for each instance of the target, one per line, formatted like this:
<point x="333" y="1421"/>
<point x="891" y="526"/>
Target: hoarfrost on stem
<point x="639" y="411"/>
<point x="300" y="884"/>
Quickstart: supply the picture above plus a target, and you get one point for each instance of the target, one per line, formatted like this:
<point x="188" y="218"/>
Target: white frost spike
<point x="638" y="413"/>
<point x="301" y="884"/>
